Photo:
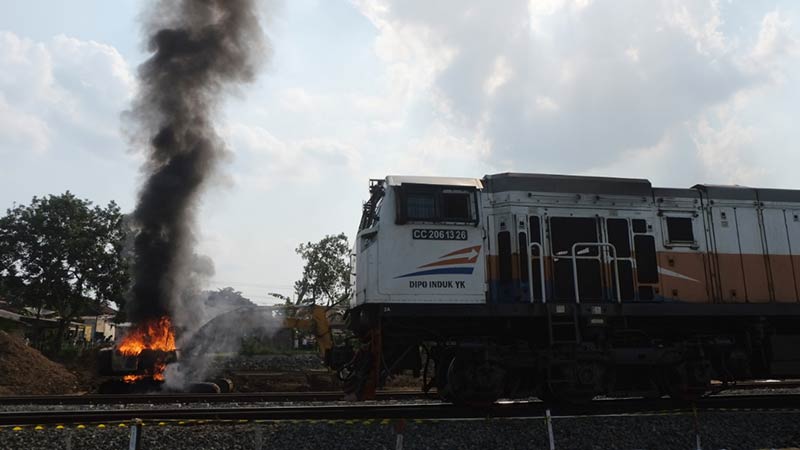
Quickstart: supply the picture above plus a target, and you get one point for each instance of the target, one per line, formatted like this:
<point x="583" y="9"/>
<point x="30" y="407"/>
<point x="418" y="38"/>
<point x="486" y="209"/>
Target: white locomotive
<point x="567" y="287"/>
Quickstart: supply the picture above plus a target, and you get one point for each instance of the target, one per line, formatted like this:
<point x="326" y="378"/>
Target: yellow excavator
<point x="314" y="320"/>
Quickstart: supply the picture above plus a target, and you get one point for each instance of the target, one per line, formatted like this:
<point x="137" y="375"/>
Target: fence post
<point x="399" y="426"/>
<point x="550" y="436"/>
<point x="696" y="428"/>
<point x="136" y="435"/>
<point x="259" y="438"/>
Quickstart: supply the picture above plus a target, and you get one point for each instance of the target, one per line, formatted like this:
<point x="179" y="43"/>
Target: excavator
<point x="144" y="372"/>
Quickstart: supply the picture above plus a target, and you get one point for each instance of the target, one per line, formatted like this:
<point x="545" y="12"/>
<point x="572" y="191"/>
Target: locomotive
<point x="569" y="287"/>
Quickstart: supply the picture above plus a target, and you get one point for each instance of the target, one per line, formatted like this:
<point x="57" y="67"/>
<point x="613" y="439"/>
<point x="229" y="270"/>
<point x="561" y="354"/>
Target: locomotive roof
<point x="536" y="182"/>
<point x="396" y="180"/>
<point x="566" y="183"/>
<point x="639" y="187"/>
<point x="750" y="193"/>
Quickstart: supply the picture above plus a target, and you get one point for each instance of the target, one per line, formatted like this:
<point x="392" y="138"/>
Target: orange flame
<point x="156" y="335"/>
<point x="153" y="335"/>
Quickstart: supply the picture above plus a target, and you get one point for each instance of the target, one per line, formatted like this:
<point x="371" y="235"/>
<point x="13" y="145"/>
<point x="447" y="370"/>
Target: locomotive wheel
<point x="571" y="383"/>
<point x="688" y="381"/>
<point x="354" y="374"/>
<point x="565" y="394"/>
<point x="442" y="366"/>
<point x="474" y="382"/>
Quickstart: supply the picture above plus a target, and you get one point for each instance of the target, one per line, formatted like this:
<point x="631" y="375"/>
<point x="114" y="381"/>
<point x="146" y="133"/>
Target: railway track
<point x="108" y="399"/>
<point x="764" y="384"/>
<point x="404" y="411"/>
<point x="162" y="398"/>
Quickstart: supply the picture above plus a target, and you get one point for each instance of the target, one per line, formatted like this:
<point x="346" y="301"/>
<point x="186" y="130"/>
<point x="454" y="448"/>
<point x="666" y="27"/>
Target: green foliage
<point x="326" y="273"/>
<point x="62" y="253"/>
<point x="227" y="298"/>
<point x="285" y="298"/>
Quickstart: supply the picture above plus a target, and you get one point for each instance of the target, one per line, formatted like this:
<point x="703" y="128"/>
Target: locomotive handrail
<point x="575" y="258"/>
<point x="541" y="270"/>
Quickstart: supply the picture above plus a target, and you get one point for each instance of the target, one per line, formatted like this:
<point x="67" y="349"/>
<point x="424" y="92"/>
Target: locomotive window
<point x="625" y="280"/>
<point x="523" y="256"/>
<point x="619" y="237"/>
<point x="504" y="250"/>
<point x="646" y="293"/>
<point x="646" y="264"/>
<point x="456" y="206"/>
<point x="426" y="203"/>
<point x="679" y="230"/>
<point x="639" y="226"/>
<point x="536" y="231"/>
<point x="421" y="206"/>
<point x="566" y="231"/>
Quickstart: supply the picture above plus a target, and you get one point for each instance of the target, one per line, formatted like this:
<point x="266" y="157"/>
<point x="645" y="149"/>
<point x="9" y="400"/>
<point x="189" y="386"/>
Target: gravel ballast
<point x="718" y="430"/>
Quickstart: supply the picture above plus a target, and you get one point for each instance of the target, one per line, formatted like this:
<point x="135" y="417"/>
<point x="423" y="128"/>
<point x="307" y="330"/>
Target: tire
<point x="203" y="388"/>
<point x="225" y="385"/>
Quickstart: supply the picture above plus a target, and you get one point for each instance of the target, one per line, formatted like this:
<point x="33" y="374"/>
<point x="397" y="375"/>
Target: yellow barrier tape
<point x="375" y="421"/>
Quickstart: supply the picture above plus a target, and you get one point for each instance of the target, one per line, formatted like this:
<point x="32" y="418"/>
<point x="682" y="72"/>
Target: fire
<point x="153" y="335"/>
<point x="157" y="335"/>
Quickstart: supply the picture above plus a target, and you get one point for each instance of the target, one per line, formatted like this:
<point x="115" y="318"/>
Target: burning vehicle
<point x="137" y="363"/>
<point x="152" y="344"/>
<point x="139" y="359"/>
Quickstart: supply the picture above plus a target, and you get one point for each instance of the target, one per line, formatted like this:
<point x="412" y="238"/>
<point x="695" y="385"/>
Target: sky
<point x="679" y="92"/>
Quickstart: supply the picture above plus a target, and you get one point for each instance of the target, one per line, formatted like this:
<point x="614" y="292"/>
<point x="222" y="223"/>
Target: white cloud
<point x="22" y="130"/>
<point x="440" y="151"/>
<point x="700" y="20"/>
<point x="545" y="103"/>
<point x="777" y="44"/>
<point x="577" y="86"/>
<point x="264" y="161"/>
<point x="499" y="76"/>
<point x="298" y="100"/>
<point x="632" y="53"/>
<point x="64" y="90"/>
<point x="414" y="54"/>
<point x="721" y="148"/>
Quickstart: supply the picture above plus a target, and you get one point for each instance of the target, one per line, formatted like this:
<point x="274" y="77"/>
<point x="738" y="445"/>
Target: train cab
<point x="420" y="241"/>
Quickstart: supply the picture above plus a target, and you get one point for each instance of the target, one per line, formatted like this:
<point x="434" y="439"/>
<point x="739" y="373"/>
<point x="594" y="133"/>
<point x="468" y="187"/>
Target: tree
<point x="226" y="299"/>
<point x="326" y="273"/>
<point x="63" y="254"/>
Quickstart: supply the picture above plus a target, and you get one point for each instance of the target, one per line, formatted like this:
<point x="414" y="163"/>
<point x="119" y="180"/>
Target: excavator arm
<point x="317" y="324"/>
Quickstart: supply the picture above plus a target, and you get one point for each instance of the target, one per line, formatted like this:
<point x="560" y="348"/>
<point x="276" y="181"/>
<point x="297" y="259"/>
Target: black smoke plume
<point x="201" y="49"/>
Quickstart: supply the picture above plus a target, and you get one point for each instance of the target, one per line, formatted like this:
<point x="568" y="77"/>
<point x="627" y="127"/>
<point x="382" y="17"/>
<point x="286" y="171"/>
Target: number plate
<point x="439" y="235"/>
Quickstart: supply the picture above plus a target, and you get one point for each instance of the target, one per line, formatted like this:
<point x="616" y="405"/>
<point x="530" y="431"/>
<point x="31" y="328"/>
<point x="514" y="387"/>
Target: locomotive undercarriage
<point x="475" y="354"/>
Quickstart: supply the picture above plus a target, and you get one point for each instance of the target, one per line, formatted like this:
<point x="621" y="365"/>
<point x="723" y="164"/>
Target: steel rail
<point x="160" y="398"/>
<point x="404" y="411"/>
<point x="311" y="396"/>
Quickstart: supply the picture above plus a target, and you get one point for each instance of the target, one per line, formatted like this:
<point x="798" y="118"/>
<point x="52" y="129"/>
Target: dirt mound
<point x="25" y="371"/>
